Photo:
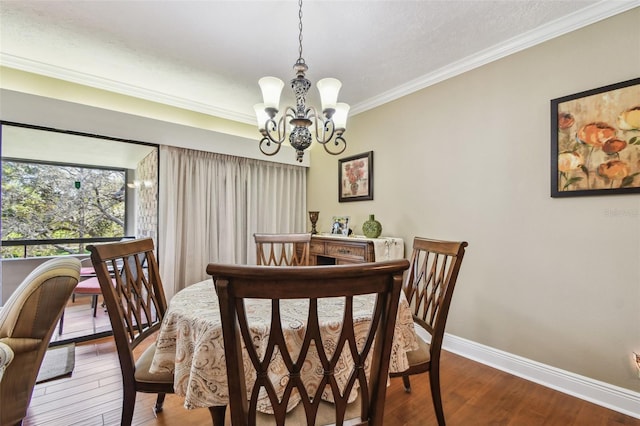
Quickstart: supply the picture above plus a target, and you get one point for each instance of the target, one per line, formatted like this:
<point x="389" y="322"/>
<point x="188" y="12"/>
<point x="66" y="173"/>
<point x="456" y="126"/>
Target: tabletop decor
<point x="595" y="141"/>
<point x="340" y="225"/>
<point x="355" y="177"/>
<point x="372" y="228"/>
<point x="313" y="217"/>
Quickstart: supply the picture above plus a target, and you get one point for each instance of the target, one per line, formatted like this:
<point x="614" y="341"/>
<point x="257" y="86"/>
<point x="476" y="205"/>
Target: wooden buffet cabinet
<point x="328" y="250"/>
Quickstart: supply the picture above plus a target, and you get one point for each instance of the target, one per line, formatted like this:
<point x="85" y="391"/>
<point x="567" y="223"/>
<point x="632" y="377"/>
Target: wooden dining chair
<point x="369" y="351"/>
<point x="136" y="304"/>
<point x="282" y="249"/>
<point x="429" y="286"/>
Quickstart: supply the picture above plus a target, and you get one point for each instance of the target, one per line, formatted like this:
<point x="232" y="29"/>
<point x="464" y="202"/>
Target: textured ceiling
<point x="208" y="55"/>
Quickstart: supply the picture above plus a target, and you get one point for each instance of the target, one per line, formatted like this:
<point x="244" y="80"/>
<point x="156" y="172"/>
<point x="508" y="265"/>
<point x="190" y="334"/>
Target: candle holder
<point x="313" y="217"/>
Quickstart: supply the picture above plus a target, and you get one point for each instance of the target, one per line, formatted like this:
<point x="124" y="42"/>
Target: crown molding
<point x="597" y="12"/>
<point x="85" y="79"/>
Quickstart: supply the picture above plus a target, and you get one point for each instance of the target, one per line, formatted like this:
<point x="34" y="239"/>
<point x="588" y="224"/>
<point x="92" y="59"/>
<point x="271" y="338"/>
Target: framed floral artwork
<point x="595" y="141"/>
<point x="355" y="177"/>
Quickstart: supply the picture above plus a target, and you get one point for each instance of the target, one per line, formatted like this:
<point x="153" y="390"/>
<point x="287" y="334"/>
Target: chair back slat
<point x="430" y="281"/>
<point x="133" y="293"/>
<point x="282" y="249"/>
<point x="364" y="342"/>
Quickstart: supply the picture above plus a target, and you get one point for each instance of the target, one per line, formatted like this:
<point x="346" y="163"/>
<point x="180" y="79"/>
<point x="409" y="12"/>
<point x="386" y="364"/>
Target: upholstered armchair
<point x="27" y="322"/>
<point x="6" y="356"/>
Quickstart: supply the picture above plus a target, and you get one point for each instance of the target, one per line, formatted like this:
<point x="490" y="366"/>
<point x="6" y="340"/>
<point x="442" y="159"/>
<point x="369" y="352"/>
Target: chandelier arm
<point x="324" y="129"/>
<point x="339" y="143"/>
<point x="275" y="131"/>
<point x="269" y="148"/>
<point x="328" y="131"/>
<point x="320" y="127"/>
<point x="290" y="112"/>
<point x="310" y="112"/>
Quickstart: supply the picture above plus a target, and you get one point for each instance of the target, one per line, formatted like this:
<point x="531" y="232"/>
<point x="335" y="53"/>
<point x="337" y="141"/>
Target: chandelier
<point x="328" y="130"/>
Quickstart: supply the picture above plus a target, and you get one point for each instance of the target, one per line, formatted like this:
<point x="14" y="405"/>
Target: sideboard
<point x="337" y="250"/>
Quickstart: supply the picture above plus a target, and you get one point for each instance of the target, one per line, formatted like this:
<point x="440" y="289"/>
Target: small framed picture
<point x="340" y="225"/>
<point x="355" y="177"/>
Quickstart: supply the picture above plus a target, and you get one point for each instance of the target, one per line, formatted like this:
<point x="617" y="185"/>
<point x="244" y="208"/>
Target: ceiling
<point x="207" y="56"/>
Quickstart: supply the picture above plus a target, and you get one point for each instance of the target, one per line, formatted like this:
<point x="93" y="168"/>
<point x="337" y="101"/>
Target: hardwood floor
<point x="473" y="394"/>
<point x="79" y="322"/>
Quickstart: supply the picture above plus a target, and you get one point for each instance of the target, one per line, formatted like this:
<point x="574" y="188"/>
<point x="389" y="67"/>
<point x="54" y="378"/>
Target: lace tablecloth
<point x="190" y="341"/>
<point x="388" y="248"/>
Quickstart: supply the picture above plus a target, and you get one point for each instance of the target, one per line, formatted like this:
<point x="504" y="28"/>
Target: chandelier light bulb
<point x="261" y="115"/>
<point x="329" y="89"/>
<point x="271" y="89"/>
<point x="340" y="116"/>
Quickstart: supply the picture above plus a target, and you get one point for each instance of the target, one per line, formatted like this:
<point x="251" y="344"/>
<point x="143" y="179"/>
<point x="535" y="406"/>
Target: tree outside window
<point x="48" y="201"/>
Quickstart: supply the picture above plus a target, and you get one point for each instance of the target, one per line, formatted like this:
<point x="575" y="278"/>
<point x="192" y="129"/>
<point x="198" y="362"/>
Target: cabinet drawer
<point x="316" y="248"/>
<point x="345" y="251"/>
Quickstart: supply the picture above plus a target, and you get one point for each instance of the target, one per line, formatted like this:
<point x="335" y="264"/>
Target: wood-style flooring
<point x="473" y="394"/>
<point x="79" y="322"/>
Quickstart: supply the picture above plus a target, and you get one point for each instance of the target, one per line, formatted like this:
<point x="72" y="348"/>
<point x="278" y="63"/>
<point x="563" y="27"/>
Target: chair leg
<point x="94" y="304"/>
<point x="218" y="414"/>
<point x="407" y="383"/>
<point x="61" y="323"/>
<point x="128" y="404"/>
<point x="434" y="382"/>
<point x="158" y="407"/>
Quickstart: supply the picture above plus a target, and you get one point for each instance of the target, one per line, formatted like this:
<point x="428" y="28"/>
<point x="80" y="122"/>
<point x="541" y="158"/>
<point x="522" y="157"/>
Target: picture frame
<point x="340" y="225"/>
<point x="595" y="141"/>
<point x="355" y="177"/>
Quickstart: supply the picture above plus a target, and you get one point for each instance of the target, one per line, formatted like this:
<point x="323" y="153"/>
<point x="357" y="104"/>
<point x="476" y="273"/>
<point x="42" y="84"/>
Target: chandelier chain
<point x="300" y="34"/>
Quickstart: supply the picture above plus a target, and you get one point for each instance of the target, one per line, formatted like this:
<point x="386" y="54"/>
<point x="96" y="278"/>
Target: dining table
<point x="190" y="342"/>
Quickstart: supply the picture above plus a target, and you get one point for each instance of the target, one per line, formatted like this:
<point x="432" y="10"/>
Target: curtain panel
<point x="212" y="204"/>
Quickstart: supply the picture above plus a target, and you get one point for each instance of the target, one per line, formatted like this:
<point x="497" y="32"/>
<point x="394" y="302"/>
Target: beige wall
<point x="553" y="280"/>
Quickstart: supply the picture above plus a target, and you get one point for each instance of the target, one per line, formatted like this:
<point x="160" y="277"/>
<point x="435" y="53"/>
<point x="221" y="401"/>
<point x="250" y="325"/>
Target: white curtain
<point x="212" y="204"/>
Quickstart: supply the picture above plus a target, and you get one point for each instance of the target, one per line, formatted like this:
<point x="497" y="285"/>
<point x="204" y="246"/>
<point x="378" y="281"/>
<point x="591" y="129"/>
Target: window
<point x="47" y="201"/>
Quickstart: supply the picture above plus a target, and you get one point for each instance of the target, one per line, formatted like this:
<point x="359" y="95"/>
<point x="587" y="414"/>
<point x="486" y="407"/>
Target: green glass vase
<point x="371" y="228"/>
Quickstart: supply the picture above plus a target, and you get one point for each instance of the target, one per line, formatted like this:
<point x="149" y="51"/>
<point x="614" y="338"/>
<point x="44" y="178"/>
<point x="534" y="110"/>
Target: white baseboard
<point x="613" y="397"/>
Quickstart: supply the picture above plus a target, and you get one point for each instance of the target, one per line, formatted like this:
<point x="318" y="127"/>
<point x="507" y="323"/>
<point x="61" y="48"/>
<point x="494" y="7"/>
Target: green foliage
<point x="570" y="182"/>
<point x="42" y="201"/>
<point x="628" y="180"/>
